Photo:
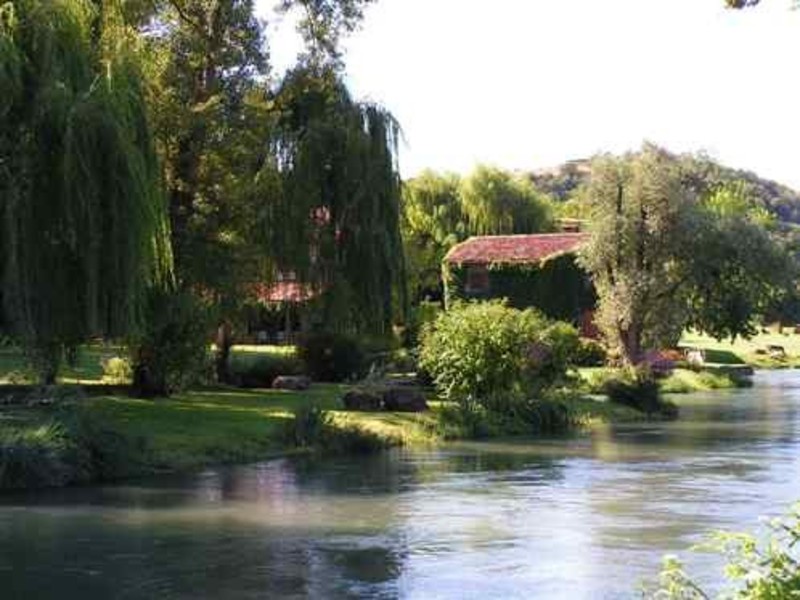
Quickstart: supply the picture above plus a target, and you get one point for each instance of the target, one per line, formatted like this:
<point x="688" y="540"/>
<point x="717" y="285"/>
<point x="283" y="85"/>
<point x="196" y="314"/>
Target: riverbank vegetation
<point x="759" y="567"/>
<point x="221" y="202"/>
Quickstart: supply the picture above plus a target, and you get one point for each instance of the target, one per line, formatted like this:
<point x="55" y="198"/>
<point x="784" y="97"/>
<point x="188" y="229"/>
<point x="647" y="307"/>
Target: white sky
<point x="524" y="84"/>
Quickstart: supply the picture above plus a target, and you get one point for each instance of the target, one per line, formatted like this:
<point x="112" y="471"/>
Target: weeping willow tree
<point x="83" y="218"/>
<point x="336" y="222"/>
<point x="495" y="202"/>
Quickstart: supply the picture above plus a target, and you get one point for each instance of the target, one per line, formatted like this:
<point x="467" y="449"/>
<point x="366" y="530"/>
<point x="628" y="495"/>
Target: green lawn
<point x="88" y="367"/>
<point x="205" y="427"/>
<point x="748" y="351"/>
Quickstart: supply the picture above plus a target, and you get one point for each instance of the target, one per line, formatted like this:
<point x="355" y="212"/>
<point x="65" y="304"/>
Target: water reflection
<point x="582" y="516"/>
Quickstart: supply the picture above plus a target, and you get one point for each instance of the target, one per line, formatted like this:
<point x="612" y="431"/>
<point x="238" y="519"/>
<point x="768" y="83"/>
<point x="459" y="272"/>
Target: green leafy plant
<point x="482" y="352"/>
<point x="590" y="353"/>
<point x="759" y="568"/>
<point x="259" y="369"/>
<point x="637" y="388"/>
<point x="332" y="357"/>
<point x="171" y="351"/>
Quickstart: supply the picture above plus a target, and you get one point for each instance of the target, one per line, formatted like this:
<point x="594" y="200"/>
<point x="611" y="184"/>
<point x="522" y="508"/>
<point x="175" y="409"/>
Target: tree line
<point x="149" y="155"/>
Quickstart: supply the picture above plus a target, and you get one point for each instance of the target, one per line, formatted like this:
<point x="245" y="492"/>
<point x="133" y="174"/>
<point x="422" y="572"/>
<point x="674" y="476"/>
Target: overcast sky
<point x="525" y="84"/>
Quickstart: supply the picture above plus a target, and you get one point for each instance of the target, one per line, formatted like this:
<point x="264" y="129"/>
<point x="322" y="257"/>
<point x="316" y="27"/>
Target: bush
<point x="99" y="451"/>
<point x="312" y="428"/>
<point x="259" y="369"/>
<point x="760" y="568"/>
<point x="507" y="417"/>
<point x="590" y="353"/>
<point x="171" y="352"/>
<point x="333" y="357"/>
<point x="482" y="352"/>
<point x="75" y="446"/>
<point x="35" y="458"/>
<point x="638" y="389"/>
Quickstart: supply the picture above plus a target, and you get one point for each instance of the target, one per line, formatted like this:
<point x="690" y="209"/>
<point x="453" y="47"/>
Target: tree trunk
<point x="631" y="345"/>
<point x="222" y="359"/>
<point x="148" y="380"/>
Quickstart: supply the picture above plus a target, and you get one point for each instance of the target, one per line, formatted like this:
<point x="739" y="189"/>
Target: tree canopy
<point x="664" y="257"/>
<point x="338" y="213"/>
<point x="84" y="228"/>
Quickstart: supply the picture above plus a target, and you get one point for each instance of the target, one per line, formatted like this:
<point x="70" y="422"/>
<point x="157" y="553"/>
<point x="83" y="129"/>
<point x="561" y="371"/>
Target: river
<point x="587" y="516"/>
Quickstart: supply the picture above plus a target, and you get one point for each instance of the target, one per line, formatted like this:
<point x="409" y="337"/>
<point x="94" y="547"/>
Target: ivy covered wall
<point x="558" y="286"/>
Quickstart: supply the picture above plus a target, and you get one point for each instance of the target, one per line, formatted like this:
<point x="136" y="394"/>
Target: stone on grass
<point x="361" y="400"/>
<point x="296" y="383"/>
<point x="404" y="399"/>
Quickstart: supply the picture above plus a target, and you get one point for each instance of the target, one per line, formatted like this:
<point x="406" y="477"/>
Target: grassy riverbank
<point x="75" y="435"/>
<point x="130" y="437"/>
<point x="753" y="352"/>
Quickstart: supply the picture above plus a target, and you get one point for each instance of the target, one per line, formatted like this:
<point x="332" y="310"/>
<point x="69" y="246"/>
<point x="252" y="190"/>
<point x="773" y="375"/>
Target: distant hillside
<point x="562" y="183"/>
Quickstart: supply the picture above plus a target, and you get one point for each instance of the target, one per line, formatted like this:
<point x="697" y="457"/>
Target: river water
<point x="586" y="516"/>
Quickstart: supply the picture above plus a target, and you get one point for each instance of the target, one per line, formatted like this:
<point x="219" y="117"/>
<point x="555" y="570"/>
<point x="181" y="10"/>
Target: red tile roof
<point x="285" y="291"/>
<point x="514" y="248"/>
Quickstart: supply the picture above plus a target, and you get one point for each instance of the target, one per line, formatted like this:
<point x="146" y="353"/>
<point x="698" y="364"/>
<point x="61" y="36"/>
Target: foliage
<point x="478" y="353"/>
<point x="665" y="253"/>
<point x="332" y="357"/>
<point x="432" y="223"/>
<point x="312" y="428"/>
<point x="419" y="316"/>
<point x="77" y="169"/>
<point x="34" y="458"/>
<point x="323" y="24"/>
<point x="683" y="381"/>
<point x="308" y="426"/>
<point x="259" y="369"/>
<point x="72" y="446"/>
<point x="558" y="287"/>
<point x="641" y="226"/>
<point x="760" y="569"/>
<point x="590" y="353"/>
<point x="495" y="202"/>
<point x="738" y="271"/>
<point x="337" y="217"/>
<point x="171" y="351"/>
<point x="638" y="389"/>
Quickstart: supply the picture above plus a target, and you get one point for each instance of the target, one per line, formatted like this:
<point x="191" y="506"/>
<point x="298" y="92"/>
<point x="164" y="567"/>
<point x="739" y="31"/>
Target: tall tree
<point x="211" y="107"/>
<point x="664" y="257"/>
<point x="323" y="23"/>
<point x="432" y="223"/>
<point x="496" y="202"/>
<point x="641" y="226"/>
<point x="340" y="205"/>
<point x="84" y="228"/>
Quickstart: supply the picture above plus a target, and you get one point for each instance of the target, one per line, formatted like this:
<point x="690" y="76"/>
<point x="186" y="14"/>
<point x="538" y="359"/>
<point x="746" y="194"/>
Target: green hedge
<point x="558" y="287"/>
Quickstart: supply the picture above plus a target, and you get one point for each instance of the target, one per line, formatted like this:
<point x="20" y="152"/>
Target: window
<point x="477" y="279"/>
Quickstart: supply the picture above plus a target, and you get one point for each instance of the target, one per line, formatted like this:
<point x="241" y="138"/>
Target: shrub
<point x="171" y="351"/>
<point x="507" y="416"/>
<point x="259" y="369"/>
<point x="638" y="389"/>
<point x="760" y="568"/>
<point x="332" y="357"/>
<point x="590" y="353"/>
<point x="419" y="318"/>
<point x="482" y="352"/>
<point x="75" y="446"/>
<point x="312" y="428"/>
<point x="35" y="458"/>
<point x="99" y="451"/>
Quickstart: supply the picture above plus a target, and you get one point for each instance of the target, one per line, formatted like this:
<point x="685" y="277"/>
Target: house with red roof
<point x="534" y="270"/>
